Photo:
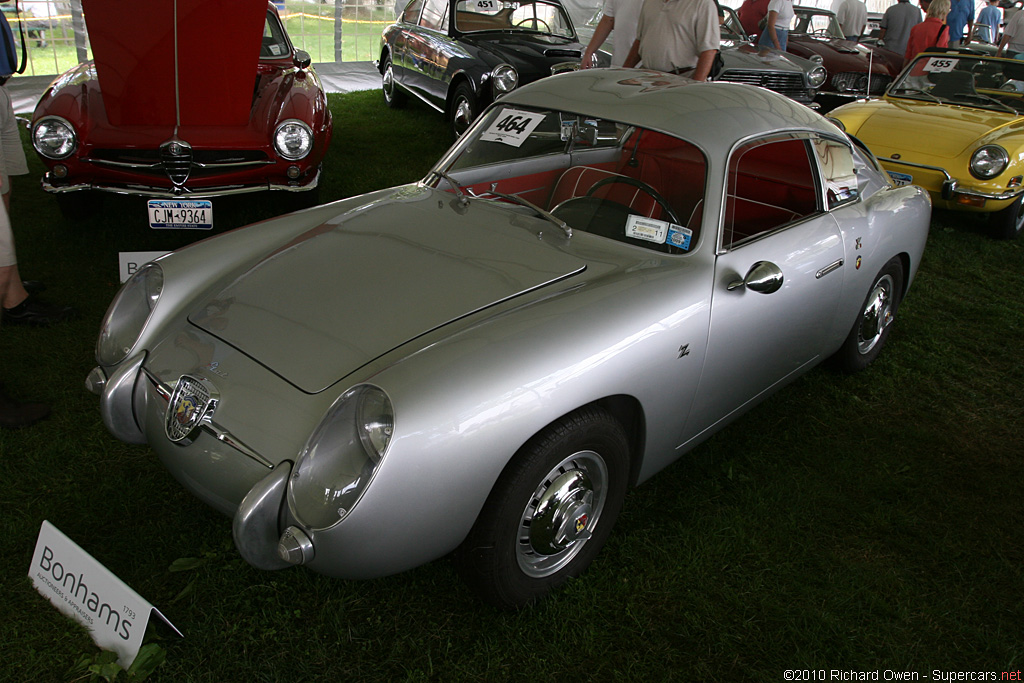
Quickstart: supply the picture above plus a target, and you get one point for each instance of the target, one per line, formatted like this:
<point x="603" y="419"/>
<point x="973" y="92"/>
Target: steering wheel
<point x="536" y="23"/>
<point x="626" y="180"/>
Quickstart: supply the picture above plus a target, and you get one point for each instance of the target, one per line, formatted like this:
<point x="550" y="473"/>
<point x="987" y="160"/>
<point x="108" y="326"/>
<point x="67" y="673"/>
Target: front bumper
<point x="178" y="192"/>
<point x="947" y="191"/>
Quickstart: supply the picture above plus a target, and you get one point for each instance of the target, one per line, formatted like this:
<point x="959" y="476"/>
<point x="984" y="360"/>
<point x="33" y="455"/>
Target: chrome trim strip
<point x="126" y="164"/>
<point x="209" y="426"/>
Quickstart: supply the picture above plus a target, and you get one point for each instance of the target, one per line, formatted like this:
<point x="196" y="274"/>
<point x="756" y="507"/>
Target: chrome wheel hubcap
<point x="463" y="116"/>
<point x="878" y="314"/>
<point x="389" y="83"/>
<point x="561" y="513"/>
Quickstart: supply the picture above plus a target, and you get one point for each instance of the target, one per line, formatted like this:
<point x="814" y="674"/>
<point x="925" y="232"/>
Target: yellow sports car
<point x="951" y="123"/>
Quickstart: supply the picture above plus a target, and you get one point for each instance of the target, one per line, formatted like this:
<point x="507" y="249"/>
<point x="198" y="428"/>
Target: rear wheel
<point x="550" y="511"/>
<point x="871" y="329"/>
<point x="393" y="95"/>
<point x="1006" y="224"/>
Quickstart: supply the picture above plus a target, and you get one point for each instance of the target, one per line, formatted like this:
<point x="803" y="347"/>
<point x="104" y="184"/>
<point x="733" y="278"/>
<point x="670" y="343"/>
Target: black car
<point x="458" y="56"/>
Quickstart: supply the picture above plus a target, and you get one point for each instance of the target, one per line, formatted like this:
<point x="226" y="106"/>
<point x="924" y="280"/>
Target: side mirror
<point x="302" y="59"/>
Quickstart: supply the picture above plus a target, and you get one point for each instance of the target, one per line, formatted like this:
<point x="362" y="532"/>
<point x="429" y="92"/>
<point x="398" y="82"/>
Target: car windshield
<point x="629" y="184"/>
<point x="981" y="82"/>
<point x="821" y="24"/>
<point x="275" y="42"/>
<point x="501" y="15"/>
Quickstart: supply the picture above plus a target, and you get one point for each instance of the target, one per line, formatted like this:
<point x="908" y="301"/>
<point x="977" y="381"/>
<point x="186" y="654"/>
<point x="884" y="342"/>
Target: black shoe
<point x="34" y="286"/>
<point x="32" y="311"/>
<point x="14" y="414"/>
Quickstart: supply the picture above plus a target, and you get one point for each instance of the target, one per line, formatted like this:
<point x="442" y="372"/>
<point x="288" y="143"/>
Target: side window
<point x="836" y="163"/>
<point x="771" y="183"/>
<point x="412" y="11"/>
<point x="434" y="14"/>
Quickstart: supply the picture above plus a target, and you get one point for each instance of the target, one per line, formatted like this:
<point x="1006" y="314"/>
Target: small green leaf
<point x="184" y="564"/>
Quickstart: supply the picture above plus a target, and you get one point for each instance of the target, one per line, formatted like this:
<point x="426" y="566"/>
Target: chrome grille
<point x="176" y="157"/>
<point x="854" y="82"/>
<point x="790" y="84"/>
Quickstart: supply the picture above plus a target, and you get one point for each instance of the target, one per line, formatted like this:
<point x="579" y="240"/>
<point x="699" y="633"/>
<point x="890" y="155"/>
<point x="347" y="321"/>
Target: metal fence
<point x="329" y="30"/>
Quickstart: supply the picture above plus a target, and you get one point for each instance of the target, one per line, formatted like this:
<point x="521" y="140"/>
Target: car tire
<point x="393" y="95"/>
<point x="1006" y="224"/>
<point x="871" y="330"/>
<point x="463" y="109"/>
<point x="573" y="477"/>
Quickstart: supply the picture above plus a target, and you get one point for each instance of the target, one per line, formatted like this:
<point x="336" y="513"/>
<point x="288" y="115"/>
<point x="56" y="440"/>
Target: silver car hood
<point x="371" y="279"/>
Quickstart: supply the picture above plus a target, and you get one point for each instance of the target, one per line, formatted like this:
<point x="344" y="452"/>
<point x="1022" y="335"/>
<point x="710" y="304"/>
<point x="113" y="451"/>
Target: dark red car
<point x="171" y="111"/>
<point x="816" y="35"/>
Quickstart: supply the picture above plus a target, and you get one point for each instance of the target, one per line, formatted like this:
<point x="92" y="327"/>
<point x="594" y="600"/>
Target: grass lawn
<point x="866" y="522"/>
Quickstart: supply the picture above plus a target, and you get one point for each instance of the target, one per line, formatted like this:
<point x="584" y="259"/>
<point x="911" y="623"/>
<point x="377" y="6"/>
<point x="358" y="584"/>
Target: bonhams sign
<point x="89" y="593"/>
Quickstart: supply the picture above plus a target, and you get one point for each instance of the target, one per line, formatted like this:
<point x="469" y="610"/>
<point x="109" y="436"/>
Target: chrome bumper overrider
<point x="951" y="186"/>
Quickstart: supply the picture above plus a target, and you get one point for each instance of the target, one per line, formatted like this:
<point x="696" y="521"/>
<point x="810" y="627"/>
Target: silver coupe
<point x="610" y="266"/>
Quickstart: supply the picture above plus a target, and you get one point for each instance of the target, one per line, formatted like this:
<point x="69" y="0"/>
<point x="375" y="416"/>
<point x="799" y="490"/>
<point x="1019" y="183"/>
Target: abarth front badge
<point x="191" y="403"/>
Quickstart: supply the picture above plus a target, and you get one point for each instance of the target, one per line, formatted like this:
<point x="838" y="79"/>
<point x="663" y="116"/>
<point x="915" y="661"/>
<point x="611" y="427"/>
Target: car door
<point x="778" y="278"/>
<point x="428" y="53"/>
<point x="407" y="22"/>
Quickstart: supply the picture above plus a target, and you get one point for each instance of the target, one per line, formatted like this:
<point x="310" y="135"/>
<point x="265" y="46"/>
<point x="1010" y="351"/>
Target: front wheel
<point x="550" y="511"/>
<point x="1006" y="224"/>
<point x="393" y="95"/>
<point x="871" y="329"/>
<point x="463" y="110"/>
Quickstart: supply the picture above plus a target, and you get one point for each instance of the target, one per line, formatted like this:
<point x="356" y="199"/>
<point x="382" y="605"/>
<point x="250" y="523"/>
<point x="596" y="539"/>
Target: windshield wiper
<point x="463" y="197"/>
<point x="530" y="205"/>
<point x="906" y="91"/>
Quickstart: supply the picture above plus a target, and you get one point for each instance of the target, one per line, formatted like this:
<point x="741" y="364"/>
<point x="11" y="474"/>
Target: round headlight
<point x="128" y="313"/>
<point x="505" y="78"/>
<point x="341" y="456"/>
<point x="817" y="76"/>
<point x="54" y="138"/>
<point x="989" y="161"/>
<point x="293" y="139"/>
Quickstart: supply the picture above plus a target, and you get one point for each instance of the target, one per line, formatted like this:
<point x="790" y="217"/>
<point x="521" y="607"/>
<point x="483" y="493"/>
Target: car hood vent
<point x="372" y="279"/>
<point x="562" y="52"/>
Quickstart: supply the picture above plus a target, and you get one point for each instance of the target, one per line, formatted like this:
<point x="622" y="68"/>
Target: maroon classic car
<point x="166" y="112"/>
<point x="817" y="32"/>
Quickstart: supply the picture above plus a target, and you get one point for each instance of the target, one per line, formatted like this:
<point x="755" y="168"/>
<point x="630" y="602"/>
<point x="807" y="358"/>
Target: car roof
<point x="713" y="115"/>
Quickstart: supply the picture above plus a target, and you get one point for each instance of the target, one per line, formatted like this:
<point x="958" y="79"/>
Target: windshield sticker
<point x="647" y="229"/>
<point x="275" y="49"/>
<point x="678" y="236"/>
<point x="512" y="127"/>
<point x="940" y="65"/>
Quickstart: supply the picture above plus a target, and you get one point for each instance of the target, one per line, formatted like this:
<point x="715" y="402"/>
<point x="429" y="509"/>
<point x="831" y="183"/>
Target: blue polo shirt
<point x="960" y="12"/>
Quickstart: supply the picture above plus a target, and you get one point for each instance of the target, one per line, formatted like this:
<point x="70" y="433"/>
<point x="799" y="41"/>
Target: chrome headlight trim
<point x="505" y="78"/>
<point x="128" y="315"/>
<point x="54" y="137"/>
<point x="293" y="139"/>
<point x="816" y="76"/>
<point x="341" y="457"/>
<point x="989" y="161"/>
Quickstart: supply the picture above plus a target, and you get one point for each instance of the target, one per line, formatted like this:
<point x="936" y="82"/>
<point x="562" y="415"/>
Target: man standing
<point x="852" y="17"/>
<point x="677" y="36"/>
<point x="961" y="16"/>
<point x="750" y="14"/>
<point x="991" y="18"/>
<point x="1012" y="41"/>
<point x="896" y="24"/>
<point x="620" y="16"/>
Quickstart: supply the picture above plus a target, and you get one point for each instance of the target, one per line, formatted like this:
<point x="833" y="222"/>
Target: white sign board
<point x="89" y="593"/>
<point x="131" y="261"/>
